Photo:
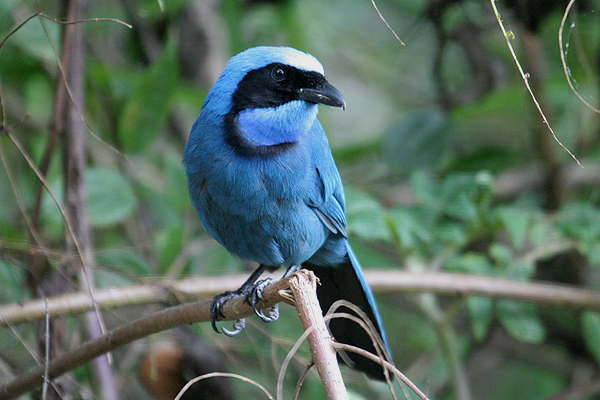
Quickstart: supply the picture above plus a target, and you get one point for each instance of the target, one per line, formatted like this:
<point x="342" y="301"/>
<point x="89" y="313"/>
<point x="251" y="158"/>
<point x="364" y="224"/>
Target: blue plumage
<point x="264" y="183"/>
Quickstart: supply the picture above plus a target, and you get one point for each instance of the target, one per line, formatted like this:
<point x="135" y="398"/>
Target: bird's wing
<point x="328" y="200"/>
<point x="331" y="212"/>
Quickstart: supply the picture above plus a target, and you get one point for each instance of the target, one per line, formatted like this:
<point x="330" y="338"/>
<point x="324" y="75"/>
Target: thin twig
<point x="47" y="356"/>
<point x="42" y="15"/>
<point x="70" y="92"/>
<point x="444" y="330"/>
<point x="564" y="61"/>
<point x="386" y="23"/>
<point x="302" y="378"/>
<point x="13" y="185"/>
<point x="385" y="364"/>
<point x="222" y="374"/>
<point x="288" y="358"/>
<point x="33" y="167"/>
<point x="508" y="36"/>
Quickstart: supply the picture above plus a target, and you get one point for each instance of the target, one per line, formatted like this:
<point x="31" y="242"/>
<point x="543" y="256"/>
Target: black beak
<point x="325" y="94"/>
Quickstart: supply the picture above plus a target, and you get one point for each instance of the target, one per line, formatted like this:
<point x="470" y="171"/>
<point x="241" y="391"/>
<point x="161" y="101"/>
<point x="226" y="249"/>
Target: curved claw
<point x="215" y="309"/>
<point x="273" y="314"/>
<point x="238" y="327"/>
<point x="255" y="295"/>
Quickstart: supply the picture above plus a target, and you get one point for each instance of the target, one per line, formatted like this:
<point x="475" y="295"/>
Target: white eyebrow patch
<point x="300" y="60"/>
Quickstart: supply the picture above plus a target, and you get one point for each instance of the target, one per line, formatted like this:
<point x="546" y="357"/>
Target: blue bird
<point x="264" y="184"/>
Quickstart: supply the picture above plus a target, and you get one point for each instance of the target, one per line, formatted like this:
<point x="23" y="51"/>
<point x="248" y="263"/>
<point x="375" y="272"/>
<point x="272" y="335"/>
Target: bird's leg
<point x="220" y="299"/>
<point x="256" y="294"/>
<point x="291" y="270"/>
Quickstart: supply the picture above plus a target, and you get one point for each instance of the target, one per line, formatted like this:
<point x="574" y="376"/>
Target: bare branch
<point x="380" y="281"/>
<point x="169" y="318"/>
<point x="303" y="285"/>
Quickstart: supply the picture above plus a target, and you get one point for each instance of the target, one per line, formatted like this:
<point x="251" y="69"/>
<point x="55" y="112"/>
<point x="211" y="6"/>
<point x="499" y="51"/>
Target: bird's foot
<point x="255" y="294"/>
<point x="215" y="313"/>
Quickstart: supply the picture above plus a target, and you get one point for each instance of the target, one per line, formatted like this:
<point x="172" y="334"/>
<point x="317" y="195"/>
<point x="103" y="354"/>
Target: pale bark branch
<point x="380" y="281"/>
<point x="169" y="318"/>
<point x="303" y="286"/>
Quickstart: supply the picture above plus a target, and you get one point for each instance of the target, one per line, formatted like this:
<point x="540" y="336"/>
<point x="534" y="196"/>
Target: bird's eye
<point x="278" y="74"/>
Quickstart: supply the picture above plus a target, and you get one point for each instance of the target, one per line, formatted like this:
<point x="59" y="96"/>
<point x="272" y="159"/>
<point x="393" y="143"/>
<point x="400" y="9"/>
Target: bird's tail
<point x="346" y="281"/>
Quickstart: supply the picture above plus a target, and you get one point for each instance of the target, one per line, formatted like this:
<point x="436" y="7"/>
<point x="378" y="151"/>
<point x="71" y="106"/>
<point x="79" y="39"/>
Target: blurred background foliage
<point x="446" y="163"/>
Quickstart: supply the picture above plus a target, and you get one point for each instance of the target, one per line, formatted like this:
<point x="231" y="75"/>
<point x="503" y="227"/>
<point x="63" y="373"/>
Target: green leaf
<point x="516" y="221"/>
<point x="176" y="180"/>
<point x="365" y="215"/>
<point x="452" y="233"/>
<point x="581" y="220"/>
<point x="480" y="310"/>
<point x="146" y="112"/>
<point x="492" y="158"/>
<point x="124" y="261"/>
<point x="12" y="279"/>
<point x="472" y="263"/>
<point x="418" y="140"/>
<point x="591" y="333"/>
<point x="500" y="254"/>
<point x="106" y="279"/>
<point x="521" y="320"/>
<point x="170" y="244"/>
<point x="32" y="39"/>
<point x="39" y="100"/>
<point x="425" y="189"/>
<point x="543" y="231"/>
<point x="109" y="196"/>
<point x="409" y="228"/>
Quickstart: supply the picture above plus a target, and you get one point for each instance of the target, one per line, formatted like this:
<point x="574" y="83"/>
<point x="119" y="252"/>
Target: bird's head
<point x="268" y="96"/>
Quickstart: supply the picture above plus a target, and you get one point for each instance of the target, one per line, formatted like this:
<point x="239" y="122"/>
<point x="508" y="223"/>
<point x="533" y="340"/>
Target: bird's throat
<point x="286" y="124"/>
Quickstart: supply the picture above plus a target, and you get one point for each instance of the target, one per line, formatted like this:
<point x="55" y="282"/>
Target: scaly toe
<point x="273" y="314"/>
<point x="255" y="295"/>
<point x="215" y="309"/>
<point x="238" y="327"/>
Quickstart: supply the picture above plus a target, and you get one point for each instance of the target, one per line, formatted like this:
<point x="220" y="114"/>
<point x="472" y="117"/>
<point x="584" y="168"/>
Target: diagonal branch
<point x="188" y="313"/>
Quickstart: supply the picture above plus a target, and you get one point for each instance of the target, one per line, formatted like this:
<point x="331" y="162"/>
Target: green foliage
<point x="418" y="140"/>
<point x="110" y="199"/>
<point x="521" y="321"/>
<point x="452" y="214"/>
<point x="365" y="216"/>
<point x="591" y="333"/>
<point x="147" y="109"/>
<point x="12" y="278"/>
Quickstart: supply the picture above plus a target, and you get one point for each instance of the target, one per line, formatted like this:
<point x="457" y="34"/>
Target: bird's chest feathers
<point x="273" y="126"/>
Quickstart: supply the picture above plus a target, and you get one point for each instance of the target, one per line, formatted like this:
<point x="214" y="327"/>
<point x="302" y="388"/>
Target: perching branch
<point x="188" y="313"/>
<point x="303" y="285"/>
<point x="380" y="281"/>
